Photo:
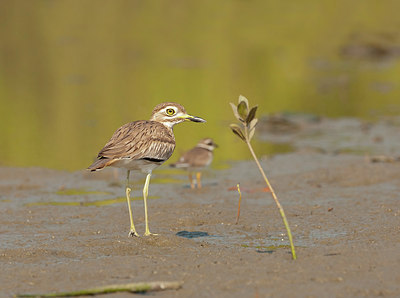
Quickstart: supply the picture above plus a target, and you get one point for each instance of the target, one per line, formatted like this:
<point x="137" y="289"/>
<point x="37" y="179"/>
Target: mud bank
<point x="63" y="231"/>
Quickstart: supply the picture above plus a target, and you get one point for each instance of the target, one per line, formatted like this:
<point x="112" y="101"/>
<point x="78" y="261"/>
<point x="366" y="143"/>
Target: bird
<point x="196" y="159"/>
<point x="142" y="146"/>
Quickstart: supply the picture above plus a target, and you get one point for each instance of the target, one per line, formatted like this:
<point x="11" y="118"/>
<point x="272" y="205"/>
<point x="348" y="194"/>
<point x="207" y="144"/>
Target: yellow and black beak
<point x="193" y="118"/>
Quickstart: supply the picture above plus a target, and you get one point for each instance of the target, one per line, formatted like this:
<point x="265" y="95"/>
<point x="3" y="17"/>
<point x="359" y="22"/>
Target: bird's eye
<point x="170" y="112"/>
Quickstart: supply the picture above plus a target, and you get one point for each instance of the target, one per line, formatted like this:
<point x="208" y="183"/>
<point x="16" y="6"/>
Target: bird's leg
<point x="132" y="232"/>
<point x="145" y="194"/>
<point x="198" y="176"/>
<point x="191" y="180"/>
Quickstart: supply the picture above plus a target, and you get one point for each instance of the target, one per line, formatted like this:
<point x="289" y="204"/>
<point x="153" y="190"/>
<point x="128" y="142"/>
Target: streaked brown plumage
<point x="139" y="140"/>
<point x="143" y="146"/>
<point x="196" y="159"/>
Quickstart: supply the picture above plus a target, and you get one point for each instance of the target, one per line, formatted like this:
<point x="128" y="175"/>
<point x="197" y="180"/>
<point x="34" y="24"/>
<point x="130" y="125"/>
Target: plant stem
<point x="273" y="195"/>
<point x="240" y="199"/>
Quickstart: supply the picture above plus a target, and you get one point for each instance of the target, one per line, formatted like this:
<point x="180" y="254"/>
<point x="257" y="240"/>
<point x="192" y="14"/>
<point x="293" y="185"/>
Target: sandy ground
<point x="63" y="231"/>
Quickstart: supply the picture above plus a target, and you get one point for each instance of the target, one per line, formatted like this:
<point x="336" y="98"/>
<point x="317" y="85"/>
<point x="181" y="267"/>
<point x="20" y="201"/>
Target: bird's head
<point x="207" y="143"/>
<point x="171" y="113"/>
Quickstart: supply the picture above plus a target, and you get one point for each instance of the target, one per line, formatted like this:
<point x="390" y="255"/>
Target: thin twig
<point x="141" y="287"/>
<point x="240" y="199"/>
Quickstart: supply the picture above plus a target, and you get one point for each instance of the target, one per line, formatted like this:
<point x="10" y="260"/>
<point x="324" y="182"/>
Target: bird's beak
<point x="193" y="118"/>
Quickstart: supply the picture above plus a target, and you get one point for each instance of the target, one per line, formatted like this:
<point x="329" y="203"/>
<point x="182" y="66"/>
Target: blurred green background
<point x="72" y="72"/>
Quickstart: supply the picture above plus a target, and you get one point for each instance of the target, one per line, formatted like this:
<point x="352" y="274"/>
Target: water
<point x="72" y="72"/>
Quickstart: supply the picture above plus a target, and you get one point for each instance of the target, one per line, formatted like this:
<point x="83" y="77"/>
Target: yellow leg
<point x="198" y="176"/>
<point x="132" y="232"/>
<point x="191" y="181"/>
<point x="145" y="194"/>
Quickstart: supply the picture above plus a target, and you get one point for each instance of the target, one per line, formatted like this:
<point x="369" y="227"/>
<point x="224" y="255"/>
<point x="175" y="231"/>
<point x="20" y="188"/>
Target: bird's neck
<point x="204" y="146"/>
<point x="168" y="125"/>
<point x="168" y="129"/>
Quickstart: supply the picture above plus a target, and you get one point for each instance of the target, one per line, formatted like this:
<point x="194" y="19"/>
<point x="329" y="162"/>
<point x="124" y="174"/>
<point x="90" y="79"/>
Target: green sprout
<point x="245" y="131"/>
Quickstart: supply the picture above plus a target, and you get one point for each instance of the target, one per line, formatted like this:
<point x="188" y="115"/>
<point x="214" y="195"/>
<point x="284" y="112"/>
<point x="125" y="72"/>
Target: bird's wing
<point x="200" y="157"/>
<point x="193" y="158"/>
<point x="138" y="140"/>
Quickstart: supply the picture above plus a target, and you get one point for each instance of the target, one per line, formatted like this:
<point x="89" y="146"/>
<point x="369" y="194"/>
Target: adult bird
<point x="196" y="159"/>
<point x="143" y="146"/>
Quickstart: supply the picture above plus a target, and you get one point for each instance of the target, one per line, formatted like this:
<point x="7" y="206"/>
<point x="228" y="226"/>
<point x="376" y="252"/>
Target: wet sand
<point x="64" y="231"/>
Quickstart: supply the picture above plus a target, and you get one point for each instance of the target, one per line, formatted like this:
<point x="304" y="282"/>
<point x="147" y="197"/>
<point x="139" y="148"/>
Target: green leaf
<point x="244" y="99"/>
<point x="237" y="131"/>
<point x="242" y="110"/>
<point x="235" y="112"/>
<point x="252" y="114"/>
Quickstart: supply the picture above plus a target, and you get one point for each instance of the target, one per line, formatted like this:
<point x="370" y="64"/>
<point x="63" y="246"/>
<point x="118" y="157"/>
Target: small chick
<point x="196" y="159"/>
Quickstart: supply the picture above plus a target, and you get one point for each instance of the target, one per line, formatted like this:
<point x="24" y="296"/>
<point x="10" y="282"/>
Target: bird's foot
<point x="149" y="234"/>
<point x="133" y="234"/>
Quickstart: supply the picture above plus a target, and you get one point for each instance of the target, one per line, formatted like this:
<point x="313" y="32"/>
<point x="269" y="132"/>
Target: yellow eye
<point x="170" y="112"/>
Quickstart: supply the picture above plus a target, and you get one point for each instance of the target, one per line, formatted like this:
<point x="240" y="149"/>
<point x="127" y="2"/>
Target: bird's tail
<point x="100" y="164"/>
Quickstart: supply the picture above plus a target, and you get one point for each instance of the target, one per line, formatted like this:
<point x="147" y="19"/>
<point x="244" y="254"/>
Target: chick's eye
<point x="170" y="112"/>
